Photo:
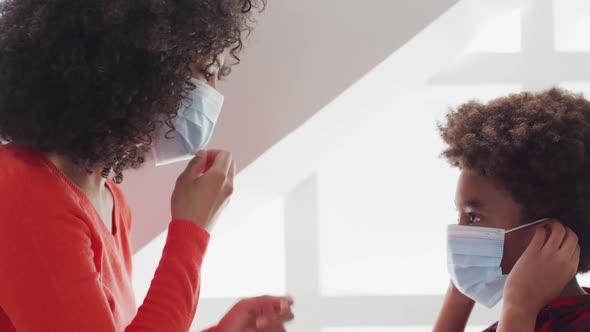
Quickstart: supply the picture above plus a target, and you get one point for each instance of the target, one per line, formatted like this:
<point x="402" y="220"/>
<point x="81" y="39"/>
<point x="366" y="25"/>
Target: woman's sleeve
<point x="49" y="279"/>
<point x="171" y="301"/>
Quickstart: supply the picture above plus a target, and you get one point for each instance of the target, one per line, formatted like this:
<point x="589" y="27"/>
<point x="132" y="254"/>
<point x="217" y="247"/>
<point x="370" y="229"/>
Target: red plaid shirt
<point x="567" y="314"/>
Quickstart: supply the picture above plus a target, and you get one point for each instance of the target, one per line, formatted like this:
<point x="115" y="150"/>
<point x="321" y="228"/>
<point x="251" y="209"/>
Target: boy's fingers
<point x="556" y="237"/>
<point x="567" y="236"/>
<point x="570" y="242"/>
<point x="576" y="253"/>
<point x="538" y="240"/>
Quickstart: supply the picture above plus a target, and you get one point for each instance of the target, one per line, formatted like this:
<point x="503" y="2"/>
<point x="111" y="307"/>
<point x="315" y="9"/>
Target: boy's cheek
<point x="508" y="260"/>
<point x="514" y="246"/>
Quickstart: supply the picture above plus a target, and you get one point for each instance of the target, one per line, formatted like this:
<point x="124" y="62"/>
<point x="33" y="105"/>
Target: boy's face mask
<point x="474" y="255"/>
<point x="194" y="125"/>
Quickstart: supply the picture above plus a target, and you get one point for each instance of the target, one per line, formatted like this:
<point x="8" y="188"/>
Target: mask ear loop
<point x="527" y="225"/>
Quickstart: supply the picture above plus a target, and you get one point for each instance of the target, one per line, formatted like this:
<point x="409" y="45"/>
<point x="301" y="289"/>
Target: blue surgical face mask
<point x="474" y="255"/>
<point x="194" y="125"/>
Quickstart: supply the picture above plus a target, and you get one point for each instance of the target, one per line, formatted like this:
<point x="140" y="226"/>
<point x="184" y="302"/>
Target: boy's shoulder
<point x="570" y="314"/>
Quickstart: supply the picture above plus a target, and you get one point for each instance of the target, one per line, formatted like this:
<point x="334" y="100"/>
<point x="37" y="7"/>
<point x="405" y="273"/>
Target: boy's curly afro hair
<point x="537" y="146"/>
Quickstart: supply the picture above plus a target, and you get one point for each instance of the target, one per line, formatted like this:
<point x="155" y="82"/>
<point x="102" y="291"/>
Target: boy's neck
<point x="573" y="289"/>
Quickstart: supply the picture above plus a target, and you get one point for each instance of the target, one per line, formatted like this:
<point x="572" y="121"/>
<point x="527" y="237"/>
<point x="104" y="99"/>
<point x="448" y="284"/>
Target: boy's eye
<point x="473" y="218"/>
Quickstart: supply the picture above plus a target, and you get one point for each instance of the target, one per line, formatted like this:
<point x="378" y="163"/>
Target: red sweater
<point x="62" y="270"/>
<point x="566" y="314"/>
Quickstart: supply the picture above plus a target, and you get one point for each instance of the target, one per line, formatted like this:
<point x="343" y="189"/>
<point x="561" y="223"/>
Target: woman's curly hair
<point x="537" y="146"/>
<point x="94" y="80"/>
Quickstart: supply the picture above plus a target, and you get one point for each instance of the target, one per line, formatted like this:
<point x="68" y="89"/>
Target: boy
<point x="523" y="199"/>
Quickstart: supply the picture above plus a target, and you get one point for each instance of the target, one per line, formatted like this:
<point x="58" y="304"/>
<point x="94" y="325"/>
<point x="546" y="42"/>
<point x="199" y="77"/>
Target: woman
<point x="86" y="88"/>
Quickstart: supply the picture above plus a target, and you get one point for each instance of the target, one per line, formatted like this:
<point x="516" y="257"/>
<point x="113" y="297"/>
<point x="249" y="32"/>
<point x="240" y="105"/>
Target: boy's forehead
<point x="481" y="192"/>
<point x="475" y="190"/>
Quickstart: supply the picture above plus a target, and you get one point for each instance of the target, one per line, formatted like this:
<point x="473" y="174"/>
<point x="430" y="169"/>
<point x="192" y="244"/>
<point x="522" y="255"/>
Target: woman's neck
<point x="92" y="184"/>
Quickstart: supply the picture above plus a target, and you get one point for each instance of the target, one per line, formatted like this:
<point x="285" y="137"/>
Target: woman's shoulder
<point x="21" y="168"/>
<point x="27" y="184"/>
<point x="21" y="165"/>
<point x="18" y="161"/>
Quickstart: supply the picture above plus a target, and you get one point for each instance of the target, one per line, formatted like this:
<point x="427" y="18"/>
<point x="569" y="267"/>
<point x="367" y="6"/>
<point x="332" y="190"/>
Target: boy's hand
<point x="544" y="269"/>
<point x="259" y="314"/>
<point x="455" y="312"/>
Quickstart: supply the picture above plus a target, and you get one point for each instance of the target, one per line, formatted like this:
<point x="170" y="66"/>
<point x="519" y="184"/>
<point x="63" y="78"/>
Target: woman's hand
<point x="539" y="276"/>
<point x="204" y="187"/>
<point x="259" y="314"/>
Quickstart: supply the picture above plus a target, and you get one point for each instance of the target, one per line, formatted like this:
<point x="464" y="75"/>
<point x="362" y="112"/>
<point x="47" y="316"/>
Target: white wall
<point x="359" y="240"/>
